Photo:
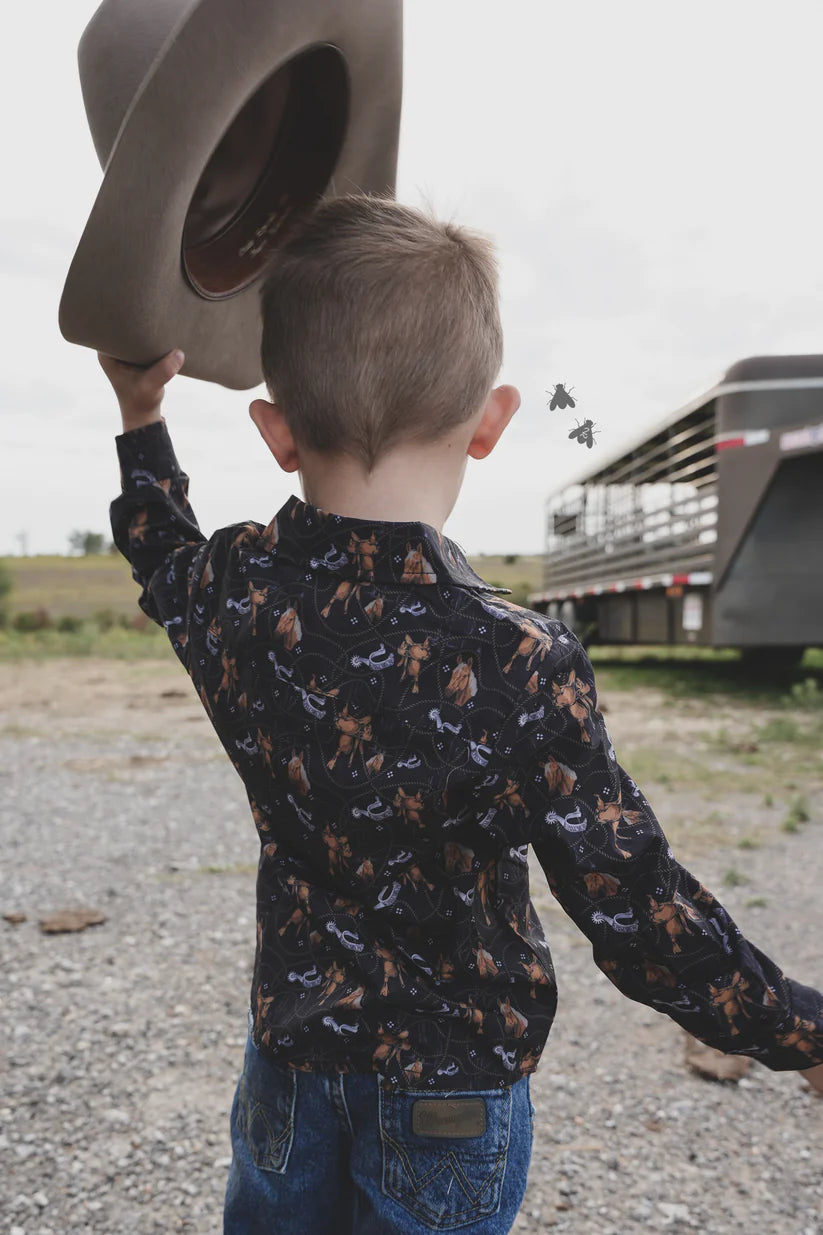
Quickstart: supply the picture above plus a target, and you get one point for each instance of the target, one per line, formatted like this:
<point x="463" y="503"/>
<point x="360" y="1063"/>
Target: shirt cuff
<point x="146" y="455"/>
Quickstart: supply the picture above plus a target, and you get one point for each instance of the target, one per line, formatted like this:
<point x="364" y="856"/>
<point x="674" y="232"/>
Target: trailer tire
<point x="771" y="661"/>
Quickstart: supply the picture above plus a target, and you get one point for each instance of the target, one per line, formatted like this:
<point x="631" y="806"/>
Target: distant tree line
<point x="87" y="543"/>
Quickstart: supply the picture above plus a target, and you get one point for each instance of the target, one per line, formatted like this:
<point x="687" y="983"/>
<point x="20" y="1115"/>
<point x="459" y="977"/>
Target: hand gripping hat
<point x="218" y="123"/>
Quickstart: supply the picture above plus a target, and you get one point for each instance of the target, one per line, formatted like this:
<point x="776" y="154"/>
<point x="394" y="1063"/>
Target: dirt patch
<point x="67" y="696"/>
<point x="704" y="790"/>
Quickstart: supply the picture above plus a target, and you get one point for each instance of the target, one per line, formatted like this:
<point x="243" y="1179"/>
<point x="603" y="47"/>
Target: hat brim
<point x="126" y="293"/>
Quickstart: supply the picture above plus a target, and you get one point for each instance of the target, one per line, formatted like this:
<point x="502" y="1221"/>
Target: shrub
<point x="68" y="624"/>
<point x="806" y="694"/>
<point x="105" y="618"/>
<point x="33" y="619"/>
<point x="798" y="813"/>
<point x="778" y="729"/>
<point x="6" y="584"/>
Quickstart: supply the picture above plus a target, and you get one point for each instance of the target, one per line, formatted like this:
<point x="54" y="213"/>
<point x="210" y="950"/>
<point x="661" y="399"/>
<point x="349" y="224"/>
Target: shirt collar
<point x="370" y="550"/>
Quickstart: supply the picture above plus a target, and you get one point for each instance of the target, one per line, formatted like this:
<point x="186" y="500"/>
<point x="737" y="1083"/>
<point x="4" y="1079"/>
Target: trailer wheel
<point x="771" y="661"/>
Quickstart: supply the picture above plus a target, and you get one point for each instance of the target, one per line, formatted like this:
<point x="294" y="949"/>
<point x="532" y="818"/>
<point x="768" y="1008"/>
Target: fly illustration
<point x="561" y="397"/>
<point x="585" y="433"/>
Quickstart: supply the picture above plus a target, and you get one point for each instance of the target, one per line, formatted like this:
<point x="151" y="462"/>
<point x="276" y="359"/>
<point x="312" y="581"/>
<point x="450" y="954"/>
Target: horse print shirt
<point x="404" y="734"/>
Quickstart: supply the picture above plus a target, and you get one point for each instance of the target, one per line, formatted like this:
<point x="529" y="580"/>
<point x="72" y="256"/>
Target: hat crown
<point x="116" y="52"/>
<point x="218" y="124"/>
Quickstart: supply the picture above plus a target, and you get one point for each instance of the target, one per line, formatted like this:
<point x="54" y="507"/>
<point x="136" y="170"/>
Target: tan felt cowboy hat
<point x="217" y="124"/>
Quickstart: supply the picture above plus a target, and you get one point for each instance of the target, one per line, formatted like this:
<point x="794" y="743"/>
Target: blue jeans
<point x="326" y="1154"/>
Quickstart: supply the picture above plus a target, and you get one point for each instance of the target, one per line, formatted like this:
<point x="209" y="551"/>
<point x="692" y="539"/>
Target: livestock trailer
<point x="708" y="530"/>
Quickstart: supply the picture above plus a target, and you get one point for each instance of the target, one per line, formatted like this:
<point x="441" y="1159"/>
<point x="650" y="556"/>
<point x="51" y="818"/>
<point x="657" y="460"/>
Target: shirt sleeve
<point x="155" y="528"/>
<point x="658" y="934"/>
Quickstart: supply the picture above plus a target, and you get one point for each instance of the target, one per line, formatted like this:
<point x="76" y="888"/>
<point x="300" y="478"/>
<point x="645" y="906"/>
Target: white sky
<point x="651" y="174"/>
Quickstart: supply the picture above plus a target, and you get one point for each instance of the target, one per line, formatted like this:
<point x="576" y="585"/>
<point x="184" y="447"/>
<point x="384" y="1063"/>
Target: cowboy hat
<point x="217" y="124"/>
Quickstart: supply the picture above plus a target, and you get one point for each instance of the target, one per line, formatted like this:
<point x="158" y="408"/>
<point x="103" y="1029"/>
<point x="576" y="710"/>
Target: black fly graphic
<point x="585" y="433"/>
<point x="561" y="397"/>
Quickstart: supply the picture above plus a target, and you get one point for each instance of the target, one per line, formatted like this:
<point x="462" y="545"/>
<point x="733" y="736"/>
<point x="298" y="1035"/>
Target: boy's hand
<point x="814" y="1076"/>
<point x="140" y="391"/>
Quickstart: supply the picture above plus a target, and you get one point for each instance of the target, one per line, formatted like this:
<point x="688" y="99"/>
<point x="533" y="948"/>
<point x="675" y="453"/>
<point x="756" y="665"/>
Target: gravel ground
<point x="121" y="1045"/>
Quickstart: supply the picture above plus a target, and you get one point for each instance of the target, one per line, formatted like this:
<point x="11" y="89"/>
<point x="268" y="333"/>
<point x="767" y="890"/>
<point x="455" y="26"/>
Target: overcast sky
<point x="651" y="174"/>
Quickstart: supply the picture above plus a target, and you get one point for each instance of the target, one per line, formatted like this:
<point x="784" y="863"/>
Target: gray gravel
<point x="120" y="1046"/>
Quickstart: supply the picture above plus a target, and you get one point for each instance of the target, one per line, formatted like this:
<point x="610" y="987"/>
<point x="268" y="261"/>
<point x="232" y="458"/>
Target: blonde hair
<point x="380" y="325"/>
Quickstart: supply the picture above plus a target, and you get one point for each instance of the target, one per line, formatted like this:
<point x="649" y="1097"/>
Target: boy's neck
<point x="409" y="486"/>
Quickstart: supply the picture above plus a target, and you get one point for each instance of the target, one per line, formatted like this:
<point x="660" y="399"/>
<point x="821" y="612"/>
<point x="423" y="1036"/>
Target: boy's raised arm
<point x="152" y="521"/>
<point x="657" y="933"/>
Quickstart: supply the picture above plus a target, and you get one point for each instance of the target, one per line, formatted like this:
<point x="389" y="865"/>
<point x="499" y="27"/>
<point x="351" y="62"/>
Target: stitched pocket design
<point x="445" y="1181"/>
<point x="265" y="1114"/>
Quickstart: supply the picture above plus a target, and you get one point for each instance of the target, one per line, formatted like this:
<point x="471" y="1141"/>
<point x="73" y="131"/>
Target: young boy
<point x="404" y="734"/>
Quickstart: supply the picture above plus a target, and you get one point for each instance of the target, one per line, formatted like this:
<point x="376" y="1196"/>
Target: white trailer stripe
<point x="694" y="578"/>
<point x="796" y="439"/>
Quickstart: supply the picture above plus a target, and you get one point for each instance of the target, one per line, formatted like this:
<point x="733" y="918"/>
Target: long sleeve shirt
<point x="405" y="734"/>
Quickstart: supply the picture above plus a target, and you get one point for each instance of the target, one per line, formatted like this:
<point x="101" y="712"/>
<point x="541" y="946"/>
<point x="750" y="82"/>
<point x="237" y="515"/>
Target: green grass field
<point x="522" y="576"/>
<point x="81" y="586"/>
<point x="73" y="586"/>
<point x="88" y="587"/>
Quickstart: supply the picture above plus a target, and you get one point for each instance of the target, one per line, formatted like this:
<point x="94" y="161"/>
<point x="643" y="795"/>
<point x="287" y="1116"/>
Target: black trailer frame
<point x="709" y="529"/>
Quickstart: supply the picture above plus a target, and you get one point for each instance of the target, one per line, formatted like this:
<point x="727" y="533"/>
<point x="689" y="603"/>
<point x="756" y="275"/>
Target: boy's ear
<point x="501" y="405"/>
<point x="274" y="431"/>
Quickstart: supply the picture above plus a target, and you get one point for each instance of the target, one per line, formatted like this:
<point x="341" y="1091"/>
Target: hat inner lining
<point x="272" y="164"/>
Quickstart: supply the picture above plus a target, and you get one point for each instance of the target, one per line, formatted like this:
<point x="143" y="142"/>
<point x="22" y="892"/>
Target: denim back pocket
<point x="446" y="1181"/>
<point x="266" y="1098"/>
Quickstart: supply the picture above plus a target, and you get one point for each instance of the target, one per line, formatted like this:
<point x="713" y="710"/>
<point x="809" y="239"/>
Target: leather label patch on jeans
<point x="449" y="1117"/>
